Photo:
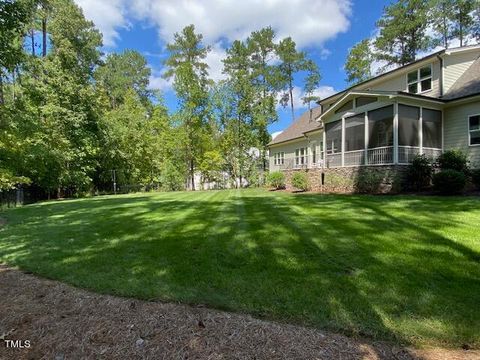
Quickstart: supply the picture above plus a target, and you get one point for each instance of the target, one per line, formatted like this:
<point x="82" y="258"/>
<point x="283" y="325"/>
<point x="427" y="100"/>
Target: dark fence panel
<point x="12" y="198"/>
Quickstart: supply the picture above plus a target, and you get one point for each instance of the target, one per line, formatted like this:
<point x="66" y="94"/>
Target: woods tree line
<point x="70" y="116"/>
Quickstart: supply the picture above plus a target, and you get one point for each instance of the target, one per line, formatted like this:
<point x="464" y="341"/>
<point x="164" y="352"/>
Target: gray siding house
<point x="379" y="125"/>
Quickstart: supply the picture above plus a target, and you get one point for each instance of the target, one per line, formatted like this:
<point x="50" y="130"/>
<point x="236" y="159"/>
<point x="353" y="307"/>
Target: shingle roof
<point x="467" y="84"/>
<point x="305" y="123"/>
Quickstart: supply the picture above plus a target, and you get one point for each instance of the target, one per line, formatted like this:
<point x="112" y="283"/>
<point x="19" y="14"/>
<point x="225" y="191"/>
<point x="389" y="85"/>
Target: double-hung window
<point x="300" y="156"/>
<point x="474" y="129"/>
<point x="279" y="158"/>
<point x="420" y="80"/>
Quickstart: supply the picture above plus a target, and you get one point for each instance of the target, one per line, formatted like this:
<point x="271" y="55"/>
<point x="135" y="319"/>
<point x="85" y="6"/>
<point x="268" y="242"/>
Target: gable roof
<point x="377" y="93"/>
<point x="303" y="124"/>
<point x="403" y="68"/>
<point x="467" y="84"/>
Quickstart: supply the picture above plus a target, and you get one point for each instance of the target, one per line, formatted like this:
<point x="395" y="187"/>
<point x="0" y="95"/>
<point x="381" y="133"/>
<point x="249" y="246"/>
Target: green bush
<point x="300" y="181"/>
<point x="276" y="180"/>
<point x="368" y="182"/>
<point x="449" y="181"/>
<point x="476" y="178"/>
<point x="454" y="160"/>
<point x="419" y="174"/>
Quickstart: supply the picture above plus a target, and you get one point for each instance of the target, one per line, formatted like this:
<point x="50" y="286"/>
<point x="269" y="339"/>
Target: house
<point x="376" y="127"/>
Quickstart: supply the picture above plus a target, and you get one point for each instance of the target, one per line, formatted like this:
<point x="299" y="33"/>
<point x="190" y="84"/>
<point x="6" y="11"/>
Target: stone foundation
<point x="383" y="179"/>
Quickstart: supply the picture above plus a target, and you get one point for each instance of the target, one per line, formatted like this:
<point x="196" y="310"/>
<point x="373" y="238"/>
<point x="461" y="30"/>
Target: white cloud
<point x="108" y="17"/>
<point x="308" y="22"/>
<point x="214" y="60"/>
<point x="157" y="82"/>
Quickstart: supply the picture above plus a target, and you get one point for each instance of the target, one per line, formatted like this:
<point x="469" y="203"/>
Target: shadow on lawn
<point x="344" y="263"/>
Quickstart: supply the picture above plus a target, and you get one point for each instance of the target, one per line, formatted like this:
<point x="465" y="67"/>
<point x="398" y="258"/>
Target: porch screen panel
<point x="408" y="125"/>
<point x="334" y="137"/>
<point x="432" y="128"/>
<point x="380" y="127"/>
<point x="355" y="132"/>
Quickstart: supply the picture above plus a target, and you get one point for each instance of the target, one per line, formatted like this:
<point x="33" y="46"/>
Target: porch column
<point x="420" y="131"/>
<point x="324" y="152"/>
<point x="395" y="133"/>
<point x="366" y="138"/>
<point x="343" y="141"/>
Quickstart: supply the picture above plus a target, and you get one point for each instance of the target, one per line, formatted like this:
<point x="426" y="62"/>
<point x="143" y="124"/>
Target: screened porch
<point x="393" y="134"/>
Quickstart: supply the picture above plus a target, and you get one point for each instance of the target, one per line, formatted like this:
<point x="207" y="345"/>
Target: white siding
<point x="456" y="130"/>
<point x="455" y="65"/>
<point x="289" y="149"/>
<point x="399" y="82"/>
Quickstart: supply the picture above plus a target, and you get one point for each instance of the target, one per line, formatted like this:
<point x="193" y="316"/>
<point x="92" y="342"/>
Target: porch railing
<point x="406" y="154"/>
<point x="380" y="156"/>
<point x="356" y="157"/>
<point x="376" y="156"/>
<point x="334" y="160"/>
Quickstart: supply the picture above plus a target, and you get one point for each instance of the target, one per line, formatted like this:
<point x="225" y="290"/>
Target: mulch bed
<point x="62" y="322"/>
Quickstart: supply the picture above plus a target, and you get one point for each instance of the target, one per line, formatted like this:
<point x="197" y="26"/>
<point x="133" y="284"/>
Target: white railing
<point x="356" y="157"/>
<point x="380" y="156"/>
<point x="376" y="156"/>
<point x="334" y="160"/>
<point x="406" y="154"/>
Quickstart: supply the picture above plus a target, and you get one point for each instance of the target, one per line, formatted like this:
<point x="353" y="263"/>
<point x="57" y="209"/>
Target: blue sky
<point x="325" y="29"/>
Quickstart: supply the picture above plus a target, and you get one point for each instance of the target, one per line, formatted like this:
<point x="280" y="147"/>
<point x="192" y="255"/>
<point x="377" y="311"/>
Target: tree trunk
<point x="192" y="174"/>
<point x="44" y="37"/>
<point x="2" y="100"/>
<point x="460" y="30"/>
<point x="32" y="39"/>
<point x="445" y="31"/>
<point x="291" y="99"/>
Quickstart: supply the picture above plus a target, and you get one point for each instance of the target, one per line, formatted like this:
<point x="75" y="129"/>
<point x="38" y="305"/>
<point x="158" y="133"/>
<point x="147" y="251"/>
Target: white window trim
<point x="279" y="158"/>
<point x="304" y="156"/>
<point x="420" y="79"/>
<point x="470" y="131"/>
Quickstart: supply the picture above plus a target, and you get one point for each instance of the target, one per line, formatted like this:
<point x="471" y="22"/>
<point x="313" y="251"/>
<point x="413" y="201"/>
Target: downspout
<point x="441" y="75"/>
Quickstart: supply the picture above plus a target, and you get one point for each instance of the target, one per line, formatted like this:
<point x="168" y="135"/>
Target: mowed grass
<point x="398" y="268"/>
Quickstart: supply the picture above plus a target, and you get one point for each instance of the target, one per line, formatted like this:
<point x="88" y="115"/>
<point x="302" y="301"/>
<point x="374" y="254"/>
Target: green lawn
<point x="399" y="268"/>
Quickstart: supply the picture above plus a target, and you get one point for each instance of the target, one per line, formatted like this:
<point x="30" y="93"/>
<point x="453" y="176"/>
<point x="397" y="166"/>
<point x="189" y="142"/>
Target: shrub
<point x="449" y="181"/>
<point x="419" y="174"/>
<point x="453" y="160"/>
<point x="476" y="178"/>
<point x="276" y="180"/>
<point x="300" y="181"/>
<point x="368" y="182"/>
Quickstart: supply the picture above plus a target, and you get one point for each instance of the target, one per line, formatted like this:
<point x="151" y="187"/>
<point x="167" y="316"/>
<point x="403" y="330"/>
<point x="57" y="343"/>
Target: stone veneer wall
<point x="382" y="179"/>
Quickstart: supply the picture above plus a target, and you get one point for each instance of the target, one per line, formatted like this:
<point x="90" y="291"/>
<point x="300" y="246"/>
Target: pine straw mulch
<point x="63" y="322"/>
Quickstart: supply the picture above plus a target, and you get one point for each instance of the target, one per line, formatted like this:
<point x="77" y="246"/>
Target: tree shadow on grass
<point x="356" y="264"/>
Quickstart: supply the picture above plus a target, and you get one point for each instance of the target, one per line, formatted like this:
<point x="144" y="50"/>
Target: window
<point x="345" y="107"/>
<point x="355" y="133"/>
<point x="432" y="128"/>
<point x="314" y="154"/>
<point x="380" y="127"/>
<point x="333" y="132"/>
<point x="420" y="80"/>
<point x="301" y="156"/>
<point x="279" y="158"/>
<point x="364" y="100"/>
<point x="408" y="125"/>
<point x="474" y="129"/>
